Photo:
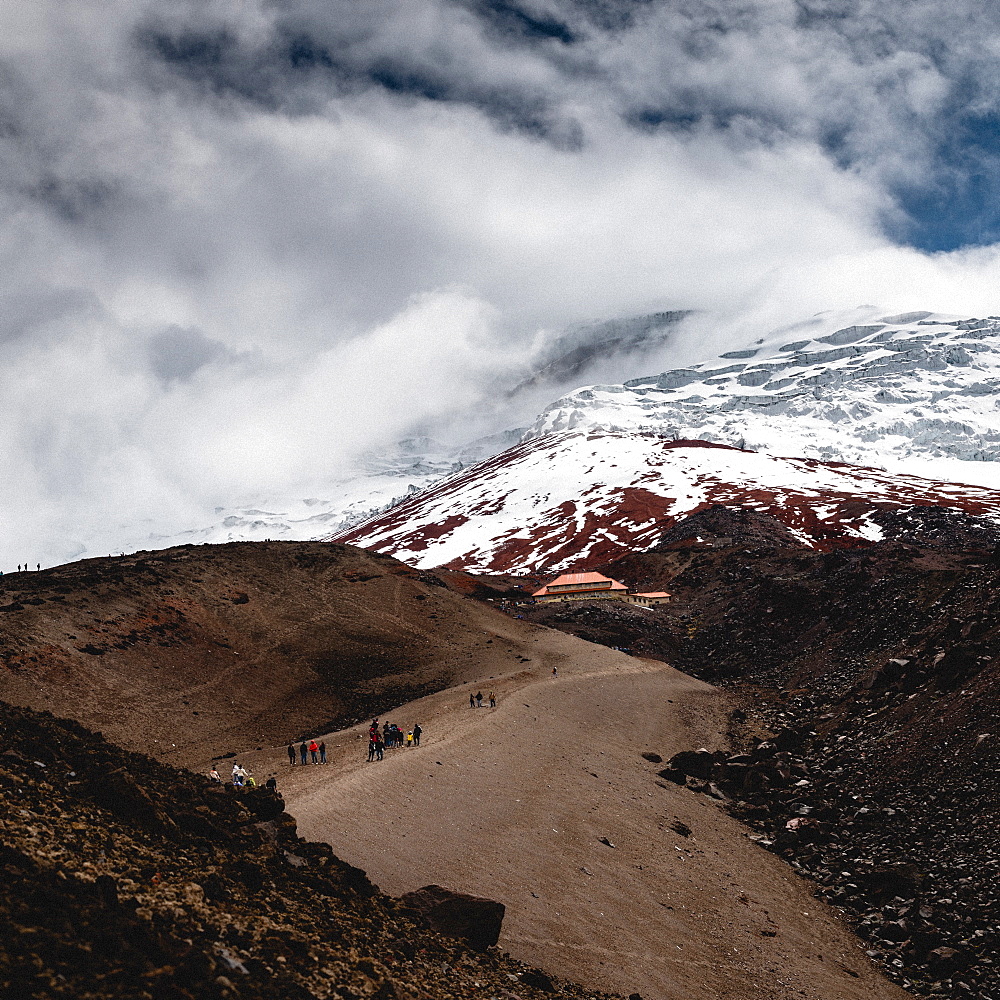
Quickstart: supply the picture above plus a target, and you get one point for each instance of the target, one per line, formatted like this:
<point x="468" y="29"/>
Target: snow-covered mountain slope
<point x="578" y="499"/>
<point x="914" y="393"/>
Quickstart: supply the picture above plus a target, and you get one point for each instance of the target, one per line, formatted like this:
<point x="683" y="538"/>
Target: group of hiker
<point x="389" y="736"/>
<point x="243" y="778"/>
<point x="312" y="750"/>
<point x="380" y="738"/>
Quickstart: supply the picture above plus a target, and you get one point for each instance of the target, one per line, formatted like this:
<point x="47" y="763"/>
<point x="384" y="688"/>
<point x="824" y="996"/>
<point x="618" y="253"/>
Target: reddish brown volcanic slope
<point x="581" y="499"/>
<point x="200" y="650"/>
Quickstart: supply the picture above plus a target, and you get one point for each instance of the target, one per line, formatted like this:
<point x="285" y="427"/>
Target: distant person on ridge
<point x="479" y="699"/>
<point x="303" y="752"/>
<point x="371" y="748"/>
<point x="314" y="751"/>
<point x="493" y="699"/>
<point x="379" y="747"/>
<point x="409" y="739"/>
<point x="291" y="754"/>
<point x="416" y="735"/>
<point x="472" y="700"/>
<point x="322" y="752"/>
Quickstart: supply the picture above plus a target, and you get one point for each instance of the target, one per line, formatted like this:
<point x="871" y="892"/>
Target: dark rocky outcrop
<point x="458" y="914"/>
<point x="898" y="871"/>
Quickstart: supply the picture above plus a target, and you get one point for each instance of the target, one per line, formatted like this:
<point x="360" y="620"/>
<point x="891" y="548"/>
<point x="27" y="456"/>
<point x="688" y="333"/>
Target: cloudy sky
<point x="243" y="242"/>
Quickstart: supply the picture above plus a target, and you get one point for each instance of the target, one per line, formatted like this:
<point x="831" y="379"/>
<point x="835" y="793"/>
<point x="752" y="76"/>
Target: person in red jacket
<point x="314" y="750"/>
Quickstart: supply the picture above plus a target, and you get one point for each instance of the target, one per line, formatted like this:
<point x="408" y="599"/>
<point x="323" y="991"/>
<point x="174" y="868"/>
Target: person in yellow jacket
<point x="409" y="739"/>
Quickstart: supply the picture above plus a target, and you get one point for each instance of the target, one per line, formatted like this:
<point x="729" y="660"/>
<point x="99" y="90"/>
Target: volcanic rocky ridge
<point x="870" y="755"/>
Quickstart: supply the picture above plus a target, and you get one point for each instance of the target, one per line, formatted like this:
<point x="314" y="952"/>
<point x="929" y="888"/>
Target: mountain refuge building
<point x="595" y="587"/>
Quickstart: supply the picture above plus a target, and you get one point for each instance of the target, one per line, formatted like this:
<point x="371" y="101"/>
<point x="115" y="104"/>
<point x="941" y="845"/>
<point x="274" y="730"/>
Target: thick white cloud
<point x="243" y="243"/>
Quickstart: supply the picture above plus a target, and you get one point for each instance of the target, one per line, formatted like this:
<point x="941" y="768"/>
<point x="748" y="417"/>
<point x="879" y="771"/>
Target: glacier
<point x="913" y="393"/>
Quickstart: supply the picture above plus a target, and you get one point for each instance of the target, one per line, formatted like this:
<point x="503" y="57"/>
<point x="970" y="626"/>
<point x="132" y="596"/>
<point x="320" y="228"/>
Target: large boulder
<point x="694" y="763"/>
<point x="457" y="914"/>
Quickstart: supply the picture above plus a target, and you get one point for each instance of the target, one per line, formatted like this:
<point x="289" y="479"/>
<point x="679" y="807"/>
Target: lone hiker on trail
<point x="416" y="735"/>
<point x="291" y="755"/>
<point x="555" y="673"/>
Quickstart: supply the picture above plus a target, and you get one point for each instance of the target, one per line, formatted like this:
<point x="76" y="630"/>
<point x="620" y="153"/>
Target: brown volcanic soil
<point x="513" y="804"/>
<point x="145" y="646"/>
<point x="201" y="650"/>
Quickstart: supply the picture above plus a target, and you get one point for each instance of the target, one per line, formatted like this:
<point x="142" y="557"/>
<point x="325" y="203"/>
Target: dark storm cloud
<point x="515" y="22"/>
<point x="307" y="60"/>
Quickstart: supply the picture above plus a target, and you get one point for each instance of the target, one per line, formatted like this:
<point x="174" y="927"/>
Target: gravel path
<point x="513" y="804"/>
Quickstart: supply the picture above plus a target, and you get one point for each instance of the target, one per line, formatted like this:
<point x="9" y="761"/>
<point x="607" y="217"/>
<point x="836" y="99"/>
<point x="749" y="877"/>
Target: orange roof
<point x="653" y="593"/>
<point x="579" y="581"/>
<point x="567" y="578"/>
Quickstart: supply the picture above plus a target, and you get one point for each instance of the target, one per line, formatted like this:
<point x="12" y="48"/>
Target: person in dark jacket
<point x="291" y="754"/>
<point x="322" y="752"/>
<point x="416" y="735"/>
<point x="303" y="752"/>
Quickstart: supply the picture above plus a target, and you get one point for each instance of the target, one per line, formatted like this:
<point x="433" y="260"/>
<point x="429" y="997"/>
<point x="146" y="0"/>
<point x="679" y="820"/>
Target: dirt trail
<point x="511" y="804"/>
